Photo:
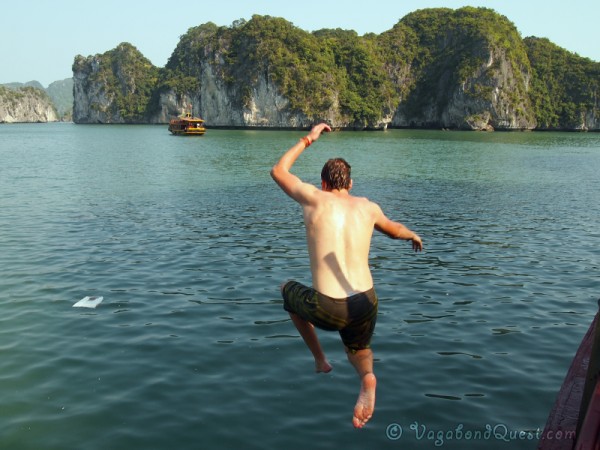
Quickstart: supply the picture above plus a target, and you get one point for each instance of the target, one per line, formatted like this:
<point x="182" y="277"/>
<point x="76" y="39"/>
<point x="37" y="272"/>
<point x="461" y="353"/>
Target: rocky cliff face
<point x="90" y="104"/>
<point x="591" y="118"/>
<point x="264" y="107"/>
<point x="470" y="71"/>
<point x="221" y="104"/>
<point x="486" y="101"/>
<point x="26" y="105"/>
<point x="115" y="87"/>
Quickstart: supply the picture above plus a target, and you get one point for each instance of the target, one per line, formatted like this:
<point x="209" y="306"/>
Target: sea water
<point x="188" y="239"/>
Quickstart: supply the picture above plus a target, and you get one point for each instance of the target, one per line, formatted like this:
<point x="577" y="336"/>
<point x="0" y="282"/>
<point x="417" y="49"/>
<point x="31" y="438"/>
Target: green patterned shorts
<point x="354" y="317"/>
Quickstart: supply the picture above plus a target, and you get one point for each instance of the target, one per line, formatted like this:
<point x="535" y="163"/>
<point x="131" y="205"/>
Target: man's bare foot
<point x="365" y="405"/>
<point x="323" y="366"/>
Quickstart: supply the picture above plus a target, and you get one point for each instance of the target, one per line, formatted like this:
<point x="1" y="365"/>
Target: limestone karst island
<point x="441" y="68"/>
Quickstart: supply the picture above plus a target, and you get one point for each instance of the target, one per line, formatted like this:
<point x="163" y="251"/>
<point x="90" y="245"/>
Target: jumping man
<point x="339" y="227"/>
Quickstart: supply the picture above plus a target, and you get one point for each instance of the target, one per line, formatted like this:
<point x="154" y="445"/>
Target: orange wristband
<point x="306" y="141"/>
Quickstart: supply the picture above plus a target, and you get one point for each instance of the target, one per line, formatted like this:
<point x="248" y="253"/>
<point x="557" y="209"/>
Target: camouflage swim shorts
<point x="354" y="317"/>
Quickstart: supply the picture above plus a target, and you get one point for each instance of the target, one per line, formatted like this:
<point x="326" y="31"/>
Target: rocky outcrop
<point x="566" y="92"/>
<point x="265" y="107"/>
<point x="484" y="101"/>
<point x="26" y="104"/>
<point x="115" y="87"/>
<point x="172" y="105"/>
<point x="470" y="71"/>
<point x="90" y="104"/>
<point x="591" y="118"/>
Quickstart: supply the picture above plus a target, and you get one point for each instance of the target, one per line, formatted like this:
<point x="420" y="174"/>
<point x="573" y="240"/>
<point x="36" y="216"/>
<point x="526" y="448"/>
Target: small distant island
<point x="31" y="102"/>
<point x="440" y="68"/>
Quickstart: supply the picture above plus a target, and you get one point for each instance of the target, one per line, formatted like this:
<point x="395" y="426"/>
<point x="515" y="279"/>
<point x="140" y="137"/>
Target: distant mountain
<point x="60" y="93"/>
<point x="33" y="83"/>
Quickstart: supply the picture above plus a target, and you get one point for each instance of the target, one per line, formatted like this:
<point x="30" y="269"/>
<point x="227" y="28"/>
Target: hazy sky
<point x="40" y="38"/>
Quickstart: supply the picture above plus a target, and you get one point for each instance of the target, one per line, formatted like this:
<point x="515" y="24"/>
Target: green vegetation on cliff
<point x="312" y="70"/>
<point x="420" y="66"/>
<point x="366" y="92"/>
<point x="421" y="61"/>
<point x="14" y="95"/>
<point x="445" y="48"/>
<point x="128" y="78"/>
<point x="565" y="86"/>
<point x="292" y="59"/>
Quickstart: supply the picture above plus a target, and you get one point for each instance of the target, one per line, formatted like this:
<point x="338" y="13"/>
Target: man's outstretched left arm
<point x="396" y="230"/>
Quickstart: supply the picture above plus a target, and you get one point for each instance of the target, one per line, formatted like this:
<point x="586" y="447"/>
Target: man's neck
<point x="338" y="191"/>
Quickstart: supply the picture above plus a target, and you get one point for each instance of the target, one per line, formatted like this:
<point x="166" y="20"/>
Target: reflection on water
<point x="188" y="240"/>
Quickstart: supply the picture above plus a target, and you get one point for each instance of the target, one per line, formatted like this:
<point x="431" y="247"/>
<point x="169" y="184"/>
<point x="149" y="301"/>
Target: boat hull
<point x="195" y="132"/>
<point x="574" y="421"/>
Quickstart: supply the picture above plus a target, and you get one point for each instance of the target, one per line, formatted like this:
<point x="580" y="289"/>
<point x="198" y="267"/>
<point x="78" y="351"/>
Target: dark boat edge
<point x="574" y="420"/>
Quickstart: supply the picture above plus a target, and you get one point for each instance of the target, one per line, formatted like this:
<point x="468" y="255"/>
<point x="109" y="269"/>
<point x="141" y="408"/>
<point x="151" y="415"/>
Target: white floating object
<point x="88" y="302"/>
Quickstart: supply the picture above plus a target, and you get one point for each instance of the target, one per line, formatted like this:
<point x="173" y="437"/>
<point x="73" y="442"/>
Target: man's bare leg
<point x="362" y="361"/>
<point x="307" y="331"/>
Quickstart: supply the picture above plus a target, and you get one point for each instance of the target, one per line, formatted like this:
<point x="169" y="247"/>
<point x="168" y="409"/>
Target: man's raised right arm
<point x="281" y="171"/>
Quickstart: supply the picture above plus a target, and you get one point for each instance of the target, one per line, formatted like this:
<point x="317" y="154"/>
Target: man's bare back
<point x="339" y="227"/>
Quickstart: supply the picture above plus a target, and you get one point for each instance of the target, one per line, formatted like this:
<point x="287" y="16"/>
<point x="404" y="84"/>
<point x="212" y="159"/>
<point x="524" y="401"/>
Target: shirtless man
<point x="339" y="227"/>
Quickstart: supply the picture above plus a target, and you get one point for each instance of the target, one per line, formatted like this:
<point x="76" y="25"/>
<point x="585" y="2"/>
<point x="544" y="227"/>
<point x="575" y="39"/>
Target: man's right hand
<point x="316" y="131"/>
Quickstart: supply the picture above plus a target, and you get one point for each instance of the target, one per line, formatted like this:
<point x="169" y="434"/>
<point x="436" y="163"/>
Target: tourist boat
<point x="187" y="125"/>
<point x="574" y="421"/>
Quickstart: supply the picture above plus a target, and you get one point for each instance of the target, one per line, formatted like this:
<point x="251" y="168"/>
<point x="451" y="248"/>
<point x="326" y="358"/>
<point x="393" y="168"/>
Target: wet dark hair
<point x="336" y="174"/>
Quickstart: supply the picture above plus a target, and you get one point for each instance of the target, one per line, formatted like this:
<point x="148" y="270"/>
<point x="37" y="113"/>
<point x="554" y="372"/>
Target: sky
<point x="39" y="39"/>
